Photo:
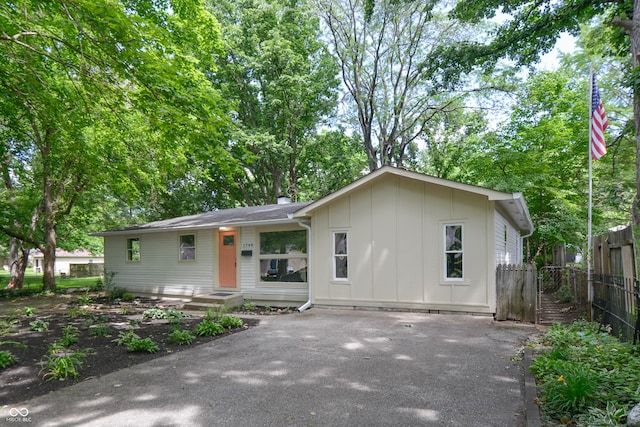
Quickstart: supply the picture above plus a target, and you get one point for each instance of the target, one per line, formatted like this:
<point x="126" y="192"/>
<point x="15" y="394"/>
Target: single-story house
<point x="393" y="239"/>
<point x="64" y="260"/>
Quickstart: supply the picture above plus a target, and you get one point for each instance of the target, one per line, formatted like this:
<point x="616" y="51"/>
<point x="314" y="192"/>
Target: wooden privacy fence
<point x="516" y="291"/>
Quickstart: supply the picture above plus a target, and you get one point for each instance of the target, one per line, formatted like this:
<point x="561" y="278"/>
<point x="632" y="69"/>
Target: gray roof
<point x="225" y="217"/>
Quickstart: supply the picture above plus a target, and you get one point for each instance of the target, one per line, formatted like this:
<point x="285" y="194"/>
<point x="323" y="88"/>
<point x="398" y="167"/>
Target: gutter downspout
<point x="307" y="304"/>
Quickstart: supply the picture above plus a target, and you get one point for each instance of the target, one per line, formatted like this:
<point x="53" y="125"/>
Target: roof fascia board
<point x="196" y="227"/>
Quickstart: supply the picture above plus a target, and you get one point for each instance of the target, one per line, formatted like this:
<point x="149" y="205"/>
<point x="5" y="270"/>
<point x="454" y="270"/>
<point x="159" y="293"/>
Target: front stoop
<point x="214" y="300"/>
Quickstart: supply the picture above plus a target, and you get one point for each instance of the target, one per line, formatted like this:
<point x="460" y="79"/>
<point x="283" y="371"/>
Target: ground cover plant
<point x="586" y="377"/>
<point x="82" y="336"/>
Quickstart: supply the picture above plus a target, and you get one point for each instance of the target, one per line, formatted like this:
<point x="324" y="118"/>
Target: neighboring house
<point x="393" y="238"/>
<point x="64" y="259"/>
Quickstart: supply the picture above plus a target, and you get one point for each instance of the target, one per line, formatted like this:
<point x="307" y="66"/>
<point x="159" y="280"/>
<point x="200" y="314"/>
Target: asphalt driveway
<point x="319" y="368"/>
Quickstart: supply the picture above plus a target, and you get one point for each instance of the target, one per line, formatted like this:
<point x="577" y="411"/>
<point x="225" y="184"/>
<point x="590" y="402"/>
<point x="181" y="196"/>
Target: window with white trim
<point x="283" y="256"/>
<point x="340" y="255"/>
<point x="188" y="247"/>
<point x="453" y="252"/>
<point x="133" y="249"/>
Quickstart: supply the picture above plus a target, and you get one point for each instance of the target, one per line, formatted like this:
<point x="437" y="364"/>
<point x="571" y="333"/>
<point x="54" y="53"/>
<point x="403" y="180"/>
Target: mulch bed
<point x="24" y="380"/>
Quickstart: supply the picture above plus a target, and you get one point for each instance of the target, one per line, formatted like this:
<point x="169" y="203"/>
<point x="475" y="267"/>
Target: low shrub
<point x="154" y="313"/>
<point x="208" y="328"/>
<point x="134" y="343"/>
<point x="214" y="314"/>
<point x="39" y="325"/>
<point x="7" y="359"/>
<point x="64" y="365"/>
<point x="181" y="337"/>
<point x="117" y="293"/>
<point x="70" y="336"/>
<point x="249" y="306"/>
<point x="85" y="300"/>
<point x="586" y="376"/>
<point x="572" y="391"/>
<point x="100" y="330"/>
<point x="231" y="322"/>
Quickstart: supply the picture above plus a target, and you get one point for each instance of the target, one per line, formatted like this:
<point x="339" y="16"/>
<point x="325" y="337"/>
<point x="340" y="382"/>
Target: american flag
<point x="599" y="123"/>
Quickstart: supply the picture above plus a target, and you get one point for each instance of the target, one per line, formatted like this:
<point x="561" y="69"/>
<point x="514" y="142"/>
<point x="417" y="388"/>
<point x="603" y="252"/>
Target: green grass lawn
<point x="34" y="281"/>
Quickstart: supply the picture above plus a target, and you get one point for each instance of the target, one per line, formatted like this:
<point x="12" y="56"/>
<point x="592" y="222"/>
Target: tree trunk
<point x="49" y="249"/>
<point x="18" y="257"/>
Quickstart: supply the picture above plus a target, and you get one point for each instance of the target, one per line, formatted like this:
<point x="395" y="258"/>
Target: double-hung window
<point x="188" y="247"/>
<point x="340" y="255"/>
<point x="133" y="249"/>
<point x="453" y="252"/>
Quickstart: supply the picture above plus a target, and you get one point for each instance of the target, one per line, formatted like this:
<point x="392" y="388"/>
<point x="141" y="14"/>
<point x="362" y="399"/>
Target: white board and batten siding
<point x="395" y="231"/>
<point x="159" y="271"/>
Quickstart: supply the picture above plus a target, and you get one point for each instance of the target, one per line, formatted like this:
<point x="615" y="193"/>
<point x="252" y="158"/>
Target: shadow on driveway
<point x="320" y="368"/>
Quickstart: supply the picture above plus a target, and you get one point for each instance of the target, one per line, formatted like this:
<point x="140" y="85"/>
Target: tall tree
<point x="276" y="70"/>
<point x="67" y="69"/>
<point x="331" y="161"/>
<point x="386" y="55"/>
<point x="533" y="29"/>
<point x="542" y="151"/>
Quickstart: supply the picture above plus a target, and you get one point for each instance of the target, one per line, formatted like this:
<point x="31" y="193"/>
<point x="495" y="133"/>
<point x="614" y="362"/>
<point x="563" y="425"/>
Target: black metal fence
<point x="615" y="303"/>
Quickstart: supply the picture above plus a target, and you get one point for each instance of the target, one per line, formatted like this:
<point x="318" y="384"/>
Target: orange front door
<point x="227" y="258"/>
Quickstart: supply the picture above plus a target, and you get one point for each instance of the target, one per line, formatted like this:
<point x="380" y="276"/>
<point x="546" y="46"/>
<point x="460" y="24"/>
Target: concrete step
<point x="214" y="300"/>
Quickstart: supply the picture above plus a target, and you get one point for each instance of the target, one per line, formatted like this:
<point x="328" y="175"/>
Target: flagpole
<point x="589" y="230"/>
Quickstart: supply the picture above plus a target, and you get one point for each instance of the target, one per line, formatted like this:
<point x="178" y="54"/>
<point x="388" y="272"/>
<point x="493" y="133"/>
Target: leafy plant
<point x="79" y="312"/>
<point x="154" y="313"/>
<point x="92" y="320"/>
<point x="249" y="306"/>
<point x="135" y="343"/>
<point x="39" y="325"/>
<point x="85" y="300"/>
<point x="116" y="293"/>
<point x="7" y="326"/>
<point x="127" y="297"/>
<point x="29" y="311"/>
<point x="174" y="315"/>
<point x="100" y="330"/>
<point x="231" y="322"/>
<point x="611" y="416"/>
<point x="181" y="337"/>
<point x="63" y="366"/>
<point x="215" y="313"/>
<point x="7" y="359"/>
<point x="146" y="344"/>
<point x="208" y="328"/>
<point x="70" y="335"/>
<point x="564" y="295"/>
<point x="585" y="370"/>
<point x="572" y="392"/>
<point x="125" y="337"/>
<point x="99" y="285"/>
